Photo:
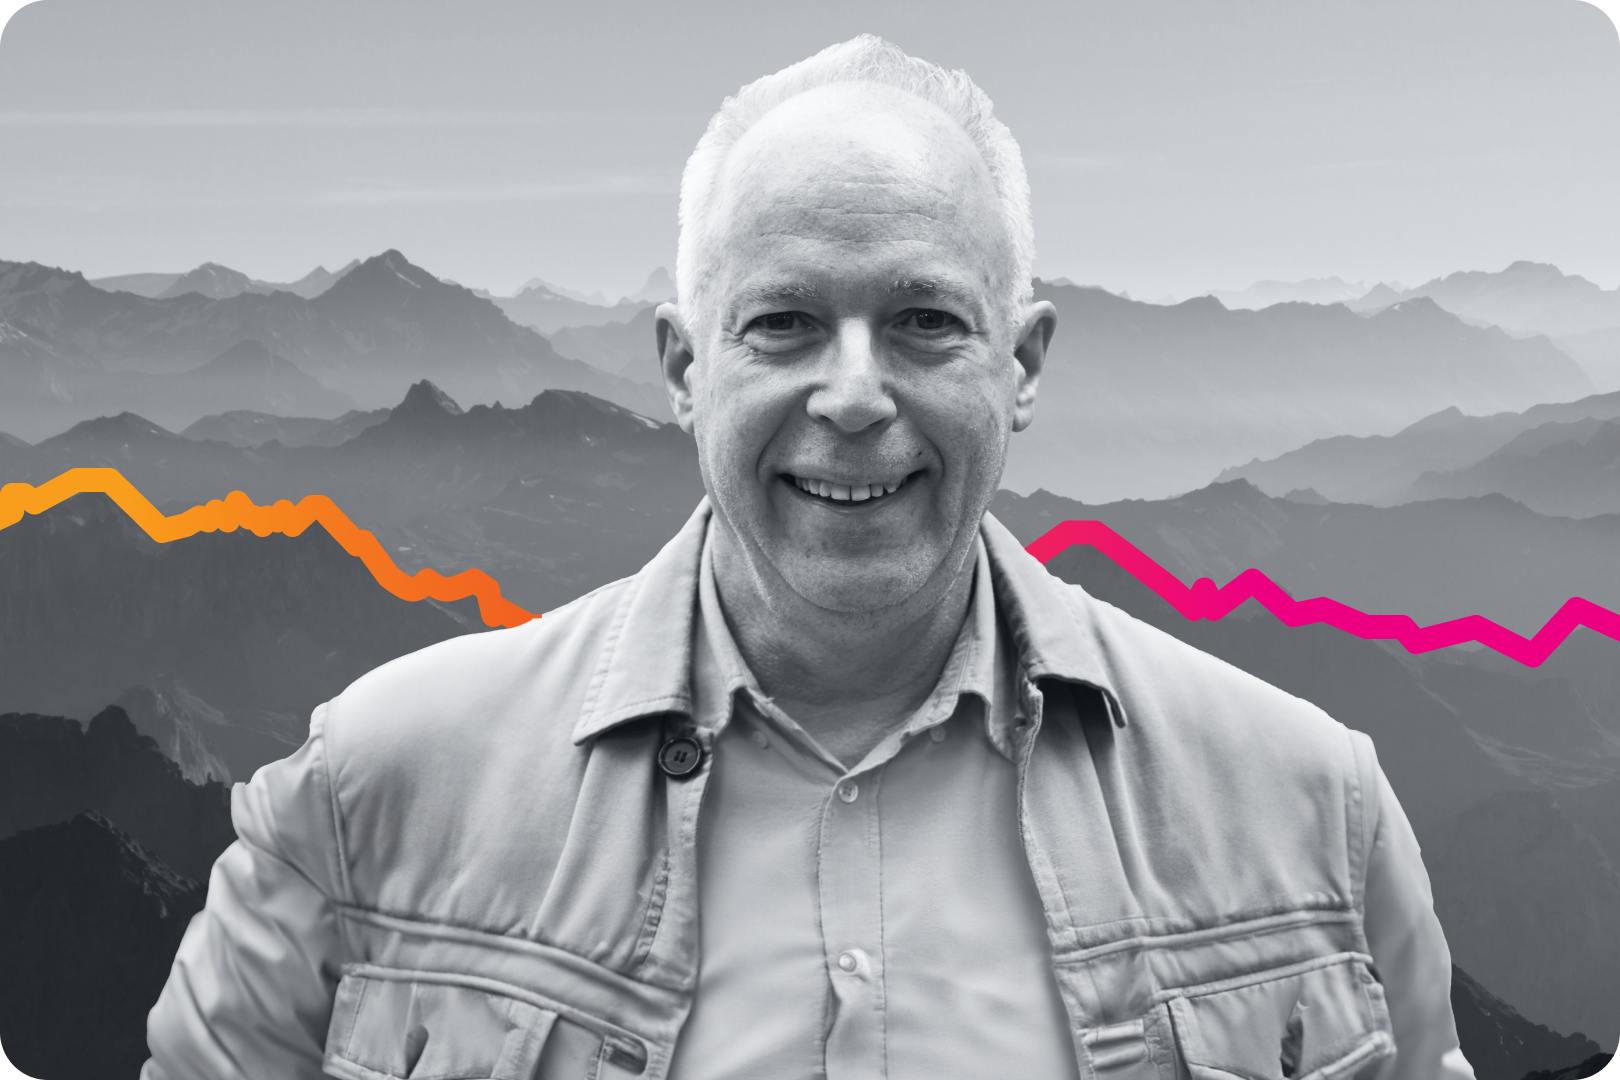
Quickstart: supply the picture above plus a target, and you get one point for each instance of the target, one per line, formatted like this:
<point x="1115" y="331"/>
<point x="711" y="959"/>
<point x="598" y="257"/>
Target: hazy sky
<point x="1173" y="147"/>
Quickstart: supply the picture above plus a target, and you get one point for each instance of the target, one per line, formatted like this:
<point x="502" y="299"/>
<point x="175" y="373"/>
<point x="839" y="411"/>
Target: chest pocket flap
<point x="389" y="1025"/>
<point x="1320" y="1021"/>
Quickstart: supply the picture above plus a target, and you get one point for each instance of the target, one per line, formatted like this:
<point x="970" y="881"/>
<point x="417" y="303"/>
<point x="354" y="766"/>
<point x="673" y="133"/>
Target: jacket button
<point x="680" y="756"/>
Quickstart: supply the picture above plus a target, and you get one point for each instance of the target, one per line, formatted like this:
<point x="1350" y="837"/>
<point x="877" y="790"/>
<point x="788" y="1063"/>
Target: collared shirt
<point x="878" y="920"/>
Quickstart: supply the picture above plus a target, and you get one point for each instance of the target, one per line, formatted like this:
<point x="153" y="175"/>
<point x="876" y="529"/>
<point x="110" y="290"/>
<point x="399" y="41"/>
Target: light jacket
<point x="475" y="867"/>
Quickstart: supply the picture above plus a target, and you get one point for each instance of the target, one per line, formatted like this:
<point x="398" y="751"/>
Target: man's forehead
<point x="861" y="134"/>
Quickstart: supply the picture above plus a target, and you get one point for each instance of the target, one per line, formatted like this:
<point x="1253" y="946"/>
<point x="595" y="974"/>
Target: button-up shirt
<point x="878" y="920"/>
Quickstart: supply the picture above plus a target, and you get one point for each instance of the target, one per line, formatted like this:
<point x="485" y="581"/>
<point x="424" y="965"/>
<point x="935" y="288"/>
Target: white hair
<point x="863" y="59"/>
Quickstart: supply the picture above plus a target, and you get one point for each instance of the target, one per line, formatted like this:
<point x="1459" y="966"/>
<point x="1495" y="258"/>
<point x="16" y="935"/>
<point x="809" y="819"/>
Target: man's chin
<point x="852" y="586"/>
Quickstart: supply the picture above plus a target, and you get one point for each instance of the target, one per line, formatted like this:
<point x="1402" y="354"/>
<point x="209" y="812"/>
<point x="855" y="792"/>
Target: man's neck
<point x="848" y="678"/>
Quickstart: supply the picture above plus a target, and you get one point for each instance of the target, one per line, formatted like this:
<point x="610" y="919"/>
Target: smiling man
<point x="842" y="784"/>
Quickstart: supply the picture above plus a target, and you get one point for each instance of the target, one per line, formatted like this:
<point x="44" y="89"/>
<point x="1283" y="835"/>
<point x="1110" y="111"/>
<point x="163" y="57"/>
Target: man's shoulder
<point x="476" y="685"/>
<point x="1173" y="689"/>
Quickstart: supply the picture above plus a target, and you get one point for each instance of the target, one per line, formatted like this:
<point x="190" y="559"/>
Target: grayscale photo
<point x="1049" y="541"/>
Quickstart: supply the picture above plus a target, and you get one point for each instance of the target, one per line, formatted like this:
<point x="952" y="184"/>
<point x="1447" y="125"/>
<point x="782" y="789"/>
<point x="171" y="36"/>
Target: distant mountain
<point x="1381" y="469"/>
<point x="315" y="282"/>
<point x="193" y="734"/>
<point x="1500" y="1043"/>
<point x="246" y="376"/>
<point x="595" y="299"/>
<point x="244" y="428"/>
<point x="659" y="288"/>
<point x="1570" y="469"/>
<point x="1527" y="296"/>
<point x="1377" y="298"/>
<point x="54" y="769"/>
<point x="89" y="925"/>
<point x="218" y="283"/>
<point x="383" y="325"/>
<point x="213" y="281"/>
<point x="1141" y="400"/>
<point x="542" y="308"/>
<point x="1581" y="317"/>
<point x="629" y="349"/>
<point x="1263" y="294"/>
<point x="148" y="285"/>
<point x="261" y="628"/>
<point x="181" y="724"/>
<point x="1531" y="905"/>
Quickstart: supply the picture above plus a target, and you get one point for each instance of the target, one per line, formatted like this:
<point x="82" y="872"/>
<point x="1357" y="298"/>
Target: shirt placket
<point x="849" y="873"/>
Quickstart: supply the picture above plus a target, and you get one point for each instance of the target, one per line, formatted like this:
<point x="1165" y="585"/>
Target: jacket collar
<point x="647" y="659"/>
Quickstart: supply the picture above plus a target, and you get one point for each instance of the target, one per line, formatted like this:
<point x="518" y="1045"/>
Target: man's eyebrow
<point x="777" y="294"/>
<point x="935" y="289"/>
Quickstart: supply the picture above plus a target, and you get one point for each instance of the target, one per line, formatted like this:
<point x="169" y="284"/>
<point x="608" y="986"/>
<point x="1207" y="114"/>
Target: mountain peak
<point x="211" y="280"/>
<point x="659" y="288"/>
<point x="124" y="427"/>
<point x="426" y="399"/>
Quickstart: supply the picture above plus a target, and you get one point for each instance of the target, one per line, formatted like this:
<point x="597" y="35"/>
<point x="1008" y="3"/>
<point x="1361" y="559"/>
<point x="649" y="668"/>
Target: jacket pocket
<point x="1321" y="1020"/>
<point x="390" y="1024"/>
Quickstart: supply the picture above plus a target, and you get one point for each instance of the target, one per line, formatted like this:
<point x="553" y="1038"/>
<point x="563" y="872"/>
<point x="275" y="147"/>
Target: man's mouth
<point x="853" y="493"/>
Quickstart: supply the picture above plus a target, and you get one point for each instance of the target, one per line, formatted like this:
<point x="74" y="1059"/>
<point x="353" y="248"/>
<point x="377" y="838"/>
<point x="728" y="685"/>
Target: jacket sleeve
<point x="250" y="994"/>
<point x="1409" y="950"/>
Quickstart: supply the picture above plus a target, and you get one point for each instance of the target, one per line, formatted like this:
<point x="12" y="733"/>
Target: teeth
<point x="845" y="492"/>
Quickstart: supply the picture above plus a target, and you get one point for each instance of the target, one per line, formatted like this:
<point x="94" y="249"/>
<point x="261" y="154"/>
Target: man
<point x="842" y="783"/>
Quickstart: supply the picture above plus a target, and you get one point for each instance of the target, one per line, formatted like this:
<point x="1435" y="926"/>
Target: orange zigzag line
<point x="237" y="511"/>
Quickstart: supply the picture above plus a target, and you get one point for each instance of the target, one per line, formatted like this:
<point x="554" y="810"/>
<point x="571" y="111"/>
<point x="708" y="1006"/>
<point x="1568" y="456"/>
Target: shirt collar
<point x="646" y="665"/>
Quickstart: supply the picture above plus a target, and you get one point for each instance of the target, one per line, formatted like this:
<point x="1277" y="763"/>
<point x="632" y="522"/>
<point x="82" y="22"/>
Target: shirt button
<point x="849" y="791"/>
<point x="847" y="961"/>
<point x="758" y="739"/>
<point x="680" y="756"/>
<point x="937" y="733"/>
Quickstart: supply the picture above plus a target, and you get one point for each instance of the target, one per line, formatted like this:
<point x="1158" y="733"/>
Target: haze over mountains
<point x="219" y="282"/>
<point x="67" y="347"/>
<point x="1142" y="400"/>
<point x="1557" y="458"/>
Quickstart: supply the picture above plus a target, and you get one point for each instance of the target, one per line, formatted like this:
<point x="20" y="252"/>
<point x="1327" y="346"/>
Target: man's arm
<point x="250" y="993"/>
<point x="1409" y="950"/>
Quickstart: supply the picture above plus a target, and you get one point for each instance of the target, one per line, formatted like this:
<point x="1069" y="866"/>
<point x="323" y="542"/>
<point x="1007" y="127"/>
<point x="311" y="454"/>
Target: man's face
<point x="853" y="380"/>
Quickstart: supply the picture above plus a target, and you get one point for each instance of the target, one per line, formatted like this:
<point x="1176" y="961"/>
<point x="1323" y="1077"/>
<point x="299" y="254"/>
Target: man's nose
<point x="850" y="390"/>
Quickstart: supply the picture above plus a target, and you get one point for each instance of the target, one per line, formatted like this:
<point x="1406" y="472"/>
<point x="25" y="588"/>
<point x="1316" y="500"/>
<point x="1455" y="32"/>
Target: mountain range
<point x="261" y="629"/>
<point x="548" y="308"/>
<point x="628" y="349"/>
<point x="1142" y="400"/>
<point x="1263" y="294"/>
<point x="65" y="344"/>
<point x="1581" y="317"/>
<point x="1561" y="459"/>
<point x="219" y="282"/>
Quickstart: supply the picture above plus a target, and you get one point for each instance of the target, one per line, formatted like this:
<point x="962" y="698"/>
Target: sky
<point x="1173" y="146"/>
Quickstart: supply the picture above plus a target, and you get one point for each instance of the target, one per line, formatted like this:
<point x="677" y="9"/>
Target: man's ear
<point x="1029" y="350"/>
<point x="675" y="358"/>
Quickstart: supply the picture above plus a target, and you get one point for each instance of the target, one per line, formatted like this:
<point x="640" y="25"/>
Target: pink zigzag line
<point x="1205" y="600"/>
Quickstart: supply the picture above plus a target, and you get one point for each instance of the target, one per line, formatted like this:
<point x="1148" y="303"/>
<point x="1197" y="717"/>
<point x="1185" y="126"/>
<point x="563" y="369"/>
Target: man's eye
<point x="929" y="319"/>
<point x="779" y="321"/>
